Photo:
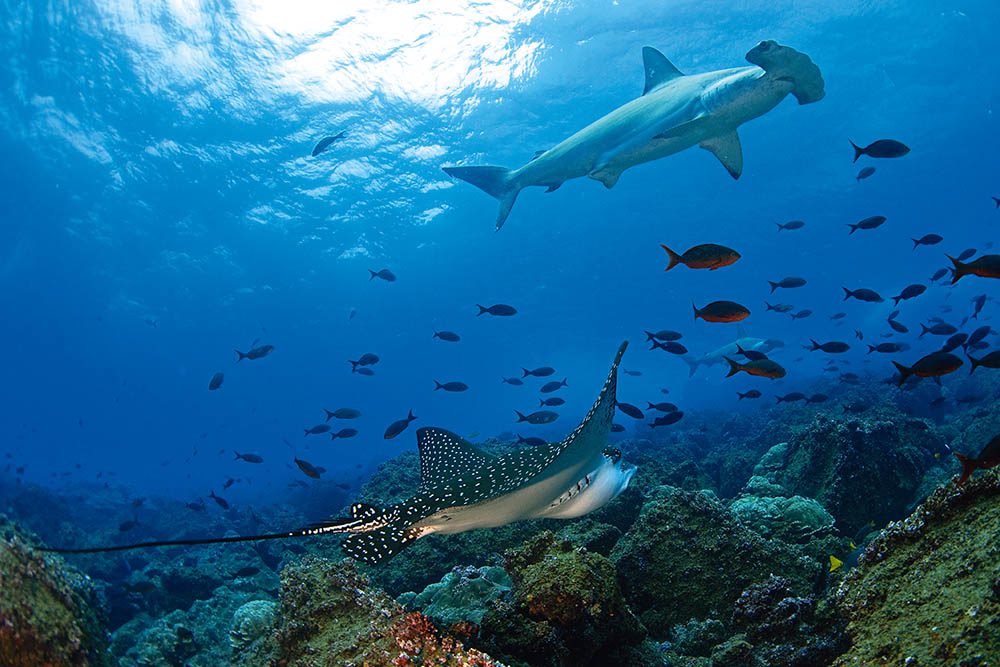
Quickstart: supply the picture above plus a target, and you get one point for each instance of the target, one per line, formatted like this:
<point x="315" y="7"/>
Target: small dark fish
<point x="553" y="402"/>
<point x="141" y="587"/>
<point x="988" y="458"/>
<point x="898" y="327"/>
<point x="765" y="368"/>
<point x="978" y="302"/>
<point x="447" y="336"/>
<point x="247" y="571"/>
<point x="991" y="360"/>
<point x="790" y="282"/>
<point x="538" y="417"/>
<point x="497" y="310"/>
<point x="451" y="386"/>
<point x="542" y="372"/>
<point x="366" y="359"/>
<point x="531" y="442"/>
<point x="802" y="314"/>
<point x="308" y="469"/>
<point x="855" y="408"/>
<point x="665" y="335"/>
<point x="883" y="148"/>
<point x="342" y="413"/>
<point x="927" y="239"/>
<point x="216" y="381"/>
<point x="940" y="273"/>
<point x="790" y="225"/>
<point x="791" y="398"/>
<point x="258" y="352"/>
<point x="126" y="526"/>
<point x="817" y="398"/>
<point x="873" y="222"/>
<point x="833" y="347"/>
<point x="630" y="410"/>
<point x="662" y="407"/>
<point x="753" y="393"/>
<point x="863" y="294"/>
<point x="398" y="426"/>
<point x="966" y="254"/>
<point x="864" y="173"/>
<point x="317" y="429"/>
<point x="706" y="256"/>
<point x="752" y="355"/>
<point x="673" y="347"/>
<point x="934" y="365"/>
<point x="779" y="308"/>
<point x="838" y="316"/>
<point x="552" y="386"/>
<point x="954" y="341"/>
<point x="221" y="502"/>
<point x="632" y="373"/>
<point x="249" y="458"/>
<point x="909" y="292"/>
<point x="721" y="311"/>
<point x="384" y="274"/>
<point x="987" y="266"/>
<point x="344" y="433"/>
<point x="888" y="348"/>
<point x="938" y="329"/>
<point x="979" y="334"/>
<point x="351" y="315"/>
<point x="617" y="428"/>
<point x="512" y="381"/>
<point x="197" y="506"/>
<point x="325" y="142"/>
<point x="667" y="419"/>
<point x="364" y="370"/>
<point x="229" y="483"/>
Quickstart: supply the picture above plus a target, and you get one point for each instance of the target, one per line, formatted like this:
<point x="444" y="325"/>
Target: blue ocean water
<point x="162" y="208"/>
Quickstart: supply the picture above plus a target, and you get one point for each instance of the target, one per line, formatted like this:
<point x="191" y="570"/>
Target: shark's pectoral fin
<point x="606" y="176"/>
<point x="727" y="148"/>
<point x="694" y="125"/>
<point x="659" y="70"/>
<point x="379" y="545"/>
<point x="553" y="187"/>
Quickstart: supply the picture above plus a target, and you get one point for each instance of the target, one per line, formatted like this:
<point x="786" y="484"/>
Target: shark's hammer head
<point x="784" y="62"/>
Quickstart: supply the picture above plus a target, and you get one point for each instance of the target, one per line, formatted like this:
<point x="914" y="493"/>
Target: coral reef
<point x="462" y="595"/>
<point x="688" y="557"/>
<point x="927" y="589"/>
<point x="794" y="519"/>
<point x="49" y="613"/>
<point x="565" y="608"/>
<point x="860" y="470"/>
<point x="251" y="625"/>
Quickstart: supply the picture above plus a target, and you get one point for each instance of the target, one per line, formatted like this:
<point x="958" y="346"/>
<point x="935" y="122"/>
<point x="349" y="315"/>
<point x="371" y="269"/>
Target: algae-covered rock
<point x="592" y="535"/>
<point x="251" y="625"/>
<point x="688" y="557"/>
<point x="860" y="470"/>
<point x="567" y="608"/>
<point x="927" y="589"/>
<point x="330" y="614"/>
<point x="792" y="519"/>
<point x="462" y="595"/>
<point x="49" y="613"/>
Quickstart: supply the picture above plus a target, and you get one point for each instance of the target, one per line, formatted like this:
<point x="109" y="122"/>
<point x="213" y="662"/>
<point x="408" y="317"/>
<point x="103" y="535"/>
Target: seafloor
<point x="717" y="555"/>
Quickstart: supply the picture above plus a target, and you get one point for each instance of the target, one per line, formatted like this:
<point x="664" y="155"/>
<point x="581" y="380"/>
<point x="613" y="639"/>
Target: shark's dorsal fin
<point x="659" y="70"/>
<point x="727" y="148"/>
<point x="445" y="455"/>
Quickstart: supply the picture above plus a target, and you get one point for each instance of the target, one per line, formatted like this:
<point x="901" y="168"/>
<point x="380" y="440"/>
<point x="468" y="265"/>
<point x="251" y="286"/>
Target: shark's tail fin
<point x="786" y="63"/>
<point x="494" y="181"/>
<point x="692" y="363"/>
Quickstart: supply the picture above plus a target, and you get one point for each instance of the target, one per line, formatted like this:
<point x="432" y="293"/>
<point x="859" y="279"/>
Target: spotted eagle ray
<point x="463" y="488"/>
<point x="674" y="112"/>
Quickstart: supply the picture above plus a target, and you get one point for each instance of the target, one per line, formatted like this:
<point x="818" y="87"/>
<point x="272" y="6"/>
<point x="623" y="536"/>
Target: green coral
<point x="252" y="623"/>
<point x="792" y="519"/>
<point x="927" y="590"/>
<point x="462" y="595"/>
<point x="48" y="612"/>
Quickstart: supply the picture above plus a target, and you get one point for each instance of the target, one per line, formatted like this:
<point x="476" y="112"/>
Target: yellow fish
<point x="835" y="563"/>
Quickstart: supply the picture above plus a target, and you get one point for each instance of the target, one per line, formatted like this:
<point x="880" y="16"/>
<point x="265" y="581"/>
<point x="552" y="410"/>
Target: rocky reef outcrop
<point x="50" y="614"/>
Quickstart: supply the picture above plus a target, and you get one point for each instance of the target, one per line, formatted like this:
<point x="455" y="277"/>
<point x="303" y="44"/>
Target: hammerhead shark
<point x="674" y="112"/>
<point x="463" y="488"/>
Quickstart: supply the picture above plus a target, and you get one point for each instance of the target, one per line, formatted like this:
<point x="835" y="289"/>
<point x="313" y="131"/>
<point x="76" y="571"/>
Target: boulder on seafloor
<point x="462" y="595"/>
<point x="940" y="565"/>
<point x="860" y="470"/>
<point x="794" y="519"/>
<point x="565" y="608"/>
<point x="688" y="557"/>
<point x="49" y="613"/>
<point x="330" y="614"/>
